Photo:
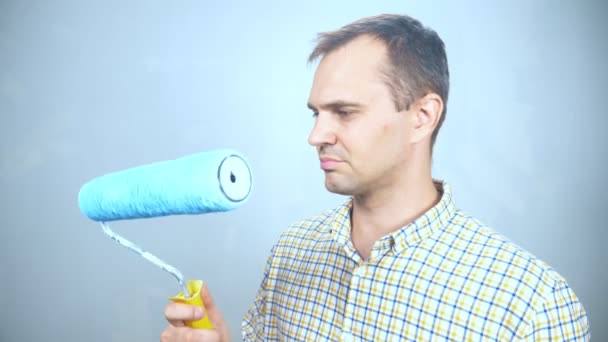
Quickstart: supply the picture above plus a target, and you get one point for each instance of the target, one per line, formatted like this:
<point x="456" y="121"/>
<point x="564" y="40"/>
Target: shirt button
<point x="347" y="337"/>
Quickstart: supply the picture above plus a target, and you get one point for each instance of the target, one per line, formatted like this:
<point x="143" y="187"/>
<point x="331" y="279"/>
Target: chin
<point x="338" y="189"/>
<point x="339" y="192"/>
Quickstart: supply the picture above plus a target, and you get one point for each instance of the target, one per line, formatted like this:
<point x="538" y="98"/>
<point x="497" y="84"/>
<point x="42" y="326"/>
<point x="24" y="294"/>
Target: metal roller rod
<point x="150" y="257"/>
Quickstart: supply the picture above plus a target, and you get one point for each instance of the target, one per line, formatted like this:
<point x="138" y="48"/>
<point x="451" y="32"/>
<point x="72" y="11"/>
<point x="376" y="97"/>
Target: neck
<point x="387" y="209"/>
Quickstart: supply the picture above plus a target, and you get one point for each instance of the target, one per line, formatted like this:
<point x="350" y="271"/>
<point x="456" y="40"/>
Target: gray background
<point x="92" y="87"/>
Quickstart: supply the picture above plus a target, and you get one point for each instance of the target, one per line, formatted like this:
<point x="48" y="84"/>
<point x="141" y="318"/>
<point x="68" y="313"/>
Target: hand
<point x="177" y="314"/>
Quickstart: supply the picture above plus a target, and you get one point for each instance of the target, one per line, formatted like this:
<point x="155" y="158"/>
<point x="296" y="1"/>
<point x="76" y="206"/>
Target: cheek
<point x="392" y="142"/>
<point x="387" y="129"/>
<point x="369" y="143"/>
<point x="391" y="133"/>
<point x="398" y="131"/>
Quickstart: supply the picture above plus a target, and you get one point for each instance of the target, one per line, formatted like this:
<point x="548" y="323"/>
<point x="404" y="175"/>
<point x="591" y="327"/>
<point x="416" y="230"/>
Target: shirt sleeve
<point x="253" y="324"/>
<point x="562" y="318"/>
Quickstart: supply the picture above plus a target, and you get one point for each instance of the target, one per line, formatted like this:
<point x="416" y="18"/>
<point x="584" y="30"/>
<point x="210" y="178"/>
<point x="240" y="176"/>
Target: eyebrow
<point x="335" y="105"/>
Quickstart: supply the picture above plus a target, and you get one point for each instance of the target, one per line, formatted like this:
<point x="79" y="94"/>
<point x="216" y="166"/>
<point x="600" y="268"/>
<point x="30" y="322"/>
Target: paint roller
<point x="206" y="182"/>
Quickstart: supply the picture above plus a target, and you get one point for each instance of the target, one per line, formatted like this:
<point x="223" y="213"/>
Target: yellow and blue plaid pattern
<point x="443" y="277"/>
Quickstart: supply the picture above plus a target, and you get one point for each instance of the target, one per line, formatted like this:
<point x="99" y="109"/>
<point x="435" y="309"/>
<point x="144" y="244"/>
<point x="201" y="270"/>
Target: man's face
<point x="362" y="141"/>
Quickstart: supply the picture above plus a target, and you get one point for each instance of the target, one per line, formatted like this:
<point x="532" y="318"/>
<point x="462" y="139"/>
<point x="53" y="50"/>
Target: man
<point x="397" y="261"/>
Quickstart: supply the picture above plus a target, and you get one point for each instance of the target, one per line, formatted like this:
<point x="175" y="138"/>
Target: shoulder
<point x="310" y="225"/>
<point x="518" y="286"/>
<point x="315" y="233"/>
<point x="307" y="231"/>
<point x="501" y="261"/>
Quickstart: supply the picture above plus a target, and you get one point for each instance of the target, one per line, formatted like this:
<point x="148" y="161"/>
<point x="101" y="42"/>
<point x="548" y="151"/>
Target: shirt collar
<point x="438" y="217"/>
<point x="435" y="218"/>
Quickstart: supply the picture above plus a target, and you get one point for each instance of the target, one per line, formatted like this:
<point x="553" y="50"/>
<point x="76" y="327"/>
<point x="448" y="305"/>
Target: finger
<point x="178" y="313"/>
<point x="172" y="333"/>
<point x="212" y="310"/>
<point x="214" y="313"/>
<point x="200" y="335"/>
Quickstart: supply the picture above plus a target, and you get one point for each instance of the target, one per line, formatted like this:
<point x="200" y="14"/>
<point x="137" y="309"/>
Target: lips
<point x="328" y="164"/>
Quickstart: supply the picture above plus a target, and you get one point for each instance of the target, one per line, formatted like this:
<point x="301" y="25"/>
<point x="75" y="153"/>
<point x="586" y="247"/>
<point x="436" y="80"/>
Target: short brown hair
<point x="418" y="62"/>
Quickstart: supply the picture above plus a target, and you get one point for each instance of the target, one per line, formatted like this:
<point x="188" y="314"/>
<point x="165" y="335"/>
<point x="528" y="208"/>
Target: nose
<point x="322" y="132"/>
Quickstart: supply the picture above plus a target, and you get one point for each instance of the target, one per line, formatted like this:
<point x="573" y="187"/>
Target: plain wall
<point x="88" y="88"/>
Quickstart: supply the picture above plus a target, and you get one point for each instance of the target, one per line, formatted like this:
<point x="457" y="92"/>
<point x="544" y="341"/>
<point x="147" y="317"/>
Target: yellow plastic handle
<point x="194" y="287"/>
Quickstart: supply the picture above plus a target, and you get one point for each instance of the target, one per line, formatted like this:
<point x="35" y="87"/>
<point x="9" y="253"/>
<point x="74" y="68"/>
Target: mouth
<point x="328" y="164"/>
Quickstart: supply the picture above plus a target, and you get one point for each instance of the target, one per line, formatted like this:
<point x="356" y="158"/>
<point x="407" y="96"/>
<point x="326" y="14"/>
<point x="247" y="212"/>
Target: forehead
<point x="353" y="70"/>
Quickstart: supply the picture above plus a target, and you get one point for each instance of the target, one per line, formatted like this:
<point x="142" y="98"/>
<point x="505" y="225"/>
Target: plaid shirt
<point x="444" y="276"/>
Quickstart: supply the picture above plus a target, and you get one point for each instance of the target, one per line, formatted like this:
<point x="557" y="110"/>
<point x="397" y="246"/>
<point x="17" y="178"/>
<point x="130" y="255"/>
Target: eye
<point x="343" y="112"/>
<point x="315" y="114"/>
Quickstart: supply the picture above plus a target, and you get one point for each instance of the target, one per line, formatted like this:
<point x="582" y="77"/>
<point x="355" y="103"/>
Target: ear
<point x="427" y="114"/>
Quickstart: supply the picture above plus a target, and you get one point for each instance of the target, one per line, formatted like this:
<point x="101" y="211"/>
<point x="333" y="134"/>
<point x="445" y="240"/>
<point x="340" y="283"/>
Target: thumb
<point x="214" y="314"/>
